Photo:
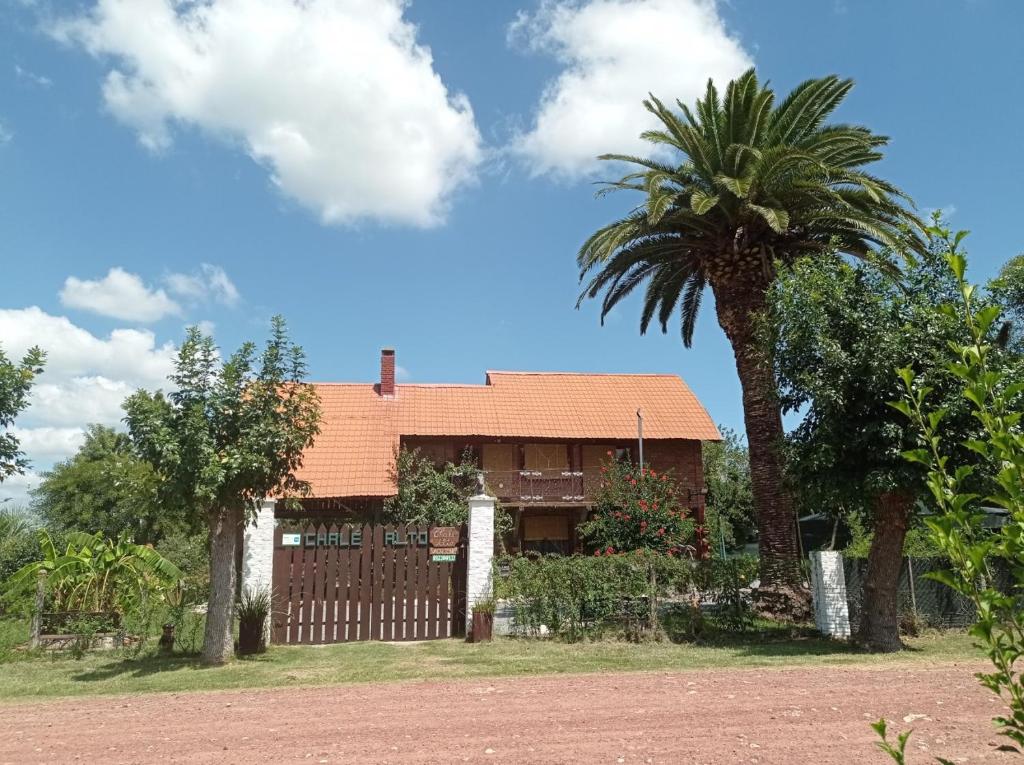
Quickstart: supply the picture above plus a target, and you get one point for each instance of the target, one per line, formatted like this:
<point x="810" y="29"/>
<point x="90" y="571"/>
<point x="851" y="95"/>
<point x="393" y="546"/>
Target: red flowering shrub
<point x="638" y="510"/>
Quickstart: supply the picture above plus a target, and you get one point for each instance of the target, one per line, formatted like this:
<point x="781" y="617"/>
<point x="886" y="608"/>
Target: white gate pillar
<point x="480" y="555"/>
<point x="258" y="548"/>
<point x="828" y="585"/>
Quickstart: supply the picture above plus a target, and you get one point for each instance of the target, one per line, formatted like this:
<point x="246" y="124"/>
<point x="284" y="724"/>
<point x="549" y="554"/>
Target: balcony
<point x="542" y="487"/>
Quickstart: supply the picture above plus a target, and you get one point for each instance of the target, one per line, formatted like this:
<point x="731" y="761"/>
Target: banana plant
<point x="94" y="573"/>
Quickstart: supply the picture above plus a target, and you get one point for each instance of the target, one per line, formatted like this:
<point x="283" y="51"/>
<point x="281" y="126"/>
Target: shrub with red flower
<point x="638" y="510"/>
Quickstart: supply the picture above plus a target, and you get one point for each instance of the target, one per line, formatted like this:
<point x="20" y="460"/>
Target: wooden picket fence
<point x="342" y="583"/>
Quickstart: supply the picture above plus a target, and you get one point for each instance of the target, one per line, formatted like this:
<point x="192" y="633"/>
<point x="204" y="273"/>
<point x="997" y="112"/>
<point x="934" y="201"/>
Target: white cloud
<point x="14" y="489"/>
<point x="613" y="53"/>
<point x="209" y="282"/>
<point x="402" y="374"/>
<point x="51" y="444"/>
<point x="72" y="352"/>
<point x="85" y="379"/>
<point x="31" y="78"/>
<point x="6" y="134"/>
<point x="120" y="295"/>
<point x="336" y="97"/>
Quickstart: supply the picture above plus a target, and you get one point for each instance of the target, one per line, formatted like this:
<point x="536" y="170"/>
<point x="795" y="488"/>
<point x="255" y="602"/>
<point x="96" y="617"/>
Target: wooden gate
<point x="346" y="582"/>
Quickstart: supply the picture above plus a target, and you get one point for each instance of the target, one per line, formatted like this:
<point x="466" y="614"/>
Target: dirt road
<point x="807" y="715"/>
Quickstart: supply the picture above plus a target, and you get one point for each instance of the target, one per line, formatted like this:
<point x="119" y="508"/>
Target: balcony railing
<point x="536" y="487"/>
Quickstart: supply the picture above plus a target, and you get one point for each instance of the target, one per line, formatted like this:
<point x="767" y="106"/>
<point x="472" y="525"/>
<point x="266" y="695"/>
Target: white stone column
<point x="258" y="548"/>
<point x="258" y="554"/>
<point x="480" y="555"/>
<point x="828" y="585"/>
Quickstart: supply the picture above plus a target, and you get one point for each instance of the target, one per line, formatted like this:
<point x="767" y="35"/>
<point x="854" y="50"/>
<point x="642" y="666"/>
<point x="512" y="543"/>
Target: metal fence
<point x="921" y="600"/>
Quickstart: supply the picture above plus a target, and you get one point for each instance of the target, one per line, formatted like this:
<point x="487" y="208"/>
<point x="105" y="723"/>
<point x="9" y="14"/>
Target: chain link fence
<point x="922" y="601"/>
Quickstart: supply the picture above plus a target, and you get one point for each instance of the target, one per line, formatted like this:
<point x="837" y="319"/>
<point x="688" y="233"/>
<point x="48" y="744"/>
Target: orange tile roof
<point x="360" y="431"/>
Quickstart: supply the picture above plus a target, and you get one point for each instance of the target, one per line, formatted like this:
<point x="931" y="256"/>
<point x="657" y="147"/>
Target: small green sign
<point x="443" y="558"/>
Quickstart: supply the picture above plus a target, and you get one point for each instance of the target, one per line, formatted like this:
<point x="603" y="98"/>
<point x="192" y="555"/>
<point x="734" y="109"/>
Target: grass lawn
<point x="54" y="676"/>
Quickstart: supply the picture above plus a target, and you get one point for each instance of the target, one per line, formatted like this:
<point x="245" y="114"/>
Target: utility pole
<point x="640" y="434"/>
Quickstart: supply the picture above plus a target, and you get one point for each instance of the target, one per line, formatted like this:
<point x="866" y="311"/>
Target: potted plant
<point x="483" y="621"/>
<point x="253" y="612"/>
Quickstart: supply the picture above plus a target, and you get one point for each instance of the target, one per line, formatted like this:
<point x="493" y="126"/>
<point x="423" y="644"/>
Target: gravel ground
<point x="806" y="715"/>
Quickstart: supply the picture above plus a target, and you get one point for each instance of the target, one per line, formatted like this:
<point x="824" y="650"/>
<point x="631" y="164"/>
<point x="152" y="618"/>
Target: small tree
<point x="839" y="333"/>
<point x="15" y="384"/>
<point x="428" y="494"/>
<point x="432" y="495"/>
<point x="996" y="402"/>
<point x="229" y="435"/>
<point x="638" y="509"/>
<point x="106" y="487"/>
<point x="730" y="517"/>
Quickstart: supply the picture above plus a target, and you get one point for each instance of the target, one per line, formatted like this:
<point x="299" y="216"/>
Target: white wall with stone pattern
<point x="480" y="555"/>
<point x="828" y="586"/>
<point x="258" y="548"/>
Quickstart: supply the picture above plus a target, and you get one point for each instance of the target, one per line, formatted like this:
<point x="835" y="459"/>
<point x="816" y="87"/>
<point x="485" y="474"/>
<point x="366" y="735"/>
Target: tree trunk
<point x="218" y="639"/>
<point x="879" y="621"/>
<point x="782" y="592"/>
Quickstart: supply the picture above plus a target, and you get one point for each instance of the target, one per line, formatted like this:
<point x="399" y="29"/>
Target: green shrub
<point x="638" y="509"/>
<point x="958" y="525"/>
<point x="580" y="596"/>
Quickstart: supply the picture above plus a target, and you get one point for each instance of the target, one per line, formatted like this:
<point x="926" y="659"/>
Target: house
<point x="539" y="437"/>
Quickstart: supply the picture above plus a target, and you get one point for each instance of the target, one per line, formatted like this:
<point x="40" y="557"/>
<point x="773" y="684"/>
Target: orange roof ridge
<point x="584" y="374"/>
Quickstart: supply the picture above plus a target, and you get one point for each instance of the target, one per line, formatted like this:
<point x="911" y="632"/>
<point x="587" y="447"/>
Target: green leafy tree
<point x="429" y="494"/>
<point x="751" y="186"/>
<point x="433" y="495"/>
<point x="230" y="434"/>
<point x="18" y="544"/>
<point x="838" y="332"/>
<point x="638" y="509"/>
<point x="730" y="517"/>
<point x="1008" y="288"/>
<point x="997" y="402"/>
<point x="106" y="487"/>
<point x="16" y="381"/>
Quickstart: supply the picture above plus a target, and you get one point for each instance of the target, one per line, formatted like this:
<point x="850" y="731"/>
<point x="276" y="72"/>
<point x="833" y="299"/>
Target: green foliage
<point x="729" y="511"/>
<point x="837" y="332"/>
<point x="574" y="597"/>
<point x="191" y="553"/>
<point x="18" y="543"/>
<point x="1008" y="289"/>
<point x="97" y="575"/>
<point x="728" y="582"/>
<point x="254" y="605"/>
<point x="429" y="495"/>
<point x="917" y="544"/>
<point x="751" y="182"/>
<point x="16" y="379"/>
<point x="105" y="487"/>
<point x="637" y="509"/>
<point x="484" y="607"/>
<point x="996" y="402"/>
<point x="253" y="611"/>
<point x="231" y="432"/>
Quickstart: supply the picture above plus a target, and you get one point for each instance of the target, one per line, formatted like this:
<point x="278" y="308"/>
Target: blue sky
<point x="417" y="174"/>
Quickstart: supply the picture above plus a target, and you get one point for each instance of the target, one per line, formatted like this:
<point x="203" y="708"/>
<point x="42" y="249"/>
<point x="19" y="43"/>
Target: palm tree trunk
<point x="218" y="638"/>
<point x="782" y="592"/>
<point x="879" y="622"/>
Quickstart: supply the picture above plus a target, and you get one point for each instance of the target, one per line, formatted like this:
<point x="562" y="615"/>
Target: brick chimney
<point x="387" y="372"/>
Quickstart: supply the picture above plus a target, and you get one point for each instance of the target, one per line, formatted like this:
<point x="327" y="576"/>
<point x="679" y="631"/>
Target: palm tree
<point x="753" y="186"/>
